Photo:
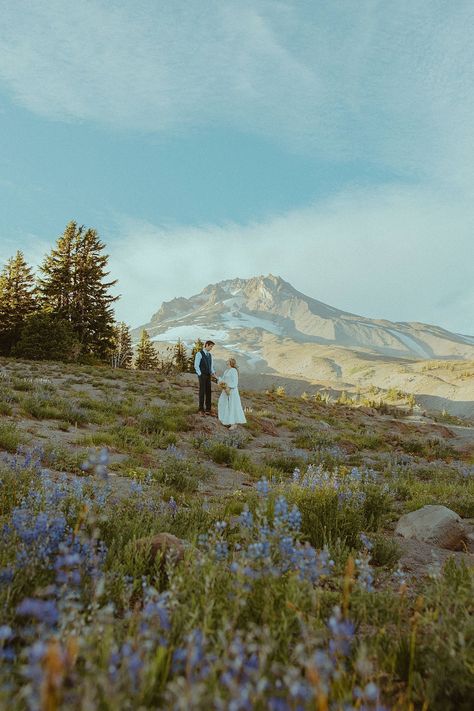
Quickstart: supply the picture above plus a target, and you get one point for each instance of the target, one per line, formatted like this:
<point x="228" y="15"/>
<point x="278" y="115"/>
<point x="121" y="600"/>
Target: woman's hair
<point x="233" y="363"/>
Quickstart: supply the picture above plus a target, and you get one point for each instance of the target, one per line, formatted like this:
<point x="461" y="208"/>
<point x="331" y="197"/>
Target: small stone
<point x="436" y="525"/>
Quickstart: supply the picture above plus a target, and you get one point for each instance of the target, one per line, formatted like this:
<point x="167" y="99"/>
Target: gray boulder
<point x="436" y="525"/>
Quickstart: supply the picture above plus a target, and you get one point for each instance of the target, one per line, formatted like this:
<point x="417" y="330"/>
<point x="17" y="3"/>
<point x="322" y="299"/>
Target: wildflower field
<point x="151" y="559"/>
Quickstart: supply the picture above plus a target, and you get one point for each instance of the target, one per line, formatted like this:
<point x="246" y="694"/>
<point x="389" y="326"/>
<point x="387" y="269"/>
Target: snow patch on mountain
<point x="244" y="320"/>
<point x="189" y="334"/>
<point x="410" y="343"/>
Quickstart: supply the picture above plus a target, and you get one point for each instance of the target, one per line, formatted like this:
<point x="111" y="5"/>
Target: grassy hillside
<point x="285" y="588"/>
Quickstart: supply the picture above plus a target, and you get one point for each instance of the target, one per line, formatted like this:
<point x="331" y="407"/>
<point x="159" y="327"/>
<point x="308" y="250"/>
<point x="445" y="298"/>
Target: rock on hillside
<point x="436" y="525"/>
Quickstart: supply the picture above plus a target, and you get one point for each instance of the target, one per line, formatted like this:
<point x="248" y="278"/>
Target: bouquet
<point x="224" y="387"/>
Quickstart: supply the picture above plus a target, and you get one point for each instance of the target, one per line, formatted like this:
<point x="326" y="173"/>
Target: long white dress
<point x="229" y="407"/>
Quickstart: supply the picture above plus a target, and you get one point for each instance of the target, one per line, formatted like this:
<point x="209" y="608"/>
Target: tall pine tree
<point x="56" y="287"/>
<point x="180" y="357"/>
<point x="17" y="300"/>
<point x="198" y="346"/>
<point x="122" y="355"/>
<point x="147" y="358"/>
<point x="74" y="287"/>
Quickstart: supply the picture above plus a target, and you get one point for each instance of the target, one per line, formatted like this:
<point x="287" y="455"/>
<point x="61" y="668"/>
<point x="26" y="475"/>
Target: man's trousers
<point x="205" y="392"/>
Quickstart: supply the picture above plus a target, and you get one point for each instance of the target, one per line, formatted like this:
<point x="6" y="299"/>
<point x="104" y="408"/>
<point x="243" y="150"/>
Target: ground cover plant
<point x="152" y="560"/>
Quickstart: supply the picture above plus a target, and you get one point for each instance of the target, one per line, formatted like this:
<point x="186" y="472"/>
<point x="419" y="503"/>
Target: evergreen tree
<point x="45" y="336"/>
<point x="122" y="355"/>
<point x="147" y="358"/>
<point x="198" y="346"/>
<point x="92" y="314"/>
<point x="56" y="288"/>
<point x="166" y="363"/>
<point x="180" y="357"/>
<point x="73" y="286"/>
<point x="17" y="300"/>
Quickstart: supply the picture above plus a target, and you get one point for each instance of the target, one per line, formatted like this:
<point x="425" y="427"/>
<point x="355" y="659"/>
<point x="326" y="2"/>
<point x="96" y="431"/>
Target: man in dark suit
<point x="204" y="367"/>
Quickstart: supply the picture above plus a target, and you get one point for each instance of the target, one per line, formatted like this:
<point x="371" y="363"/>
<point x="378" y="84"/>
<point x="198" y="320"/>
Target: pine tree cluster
<point x="67" y="312"/>
<point x="176" y="359"/>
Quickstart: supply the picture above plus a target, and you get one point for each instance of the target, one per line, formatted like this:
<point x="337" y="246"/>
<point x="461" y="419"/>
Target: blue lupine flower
<point x="246" y="518"/>
<point x="365" y="576"/>
<point x="366" y="542"/>
<point x="6" y="632"/>
<point x="263" y="487"/>
<point x="173" y="506"/>
<point x="173" y="451"/>
<point x="281" y="508"/>
<point x="41" y="610"/>
<point x="6" y="576"/>
<point x="98" y="463"/>
<point x="136" y="487"/>
<point x="221" y="550"/>
<point x="295" y="518"/>
<point x="34" y="669"/>
<point x="342" y="634"/>
<point x="157" y="608"/>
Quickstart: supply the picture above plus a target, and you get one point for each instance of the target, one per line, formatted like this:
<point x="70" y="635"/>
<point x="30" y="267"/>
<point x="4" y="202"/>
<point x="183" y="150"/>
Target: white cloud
<point x="392" y="85"/>
<point x="378" y="253"/>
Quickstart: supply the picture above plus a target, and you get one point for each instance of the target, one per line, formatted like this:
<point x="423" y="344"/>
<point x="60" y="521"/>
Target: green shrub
<point x="324" y="521"/>
<point x="284" y="462"/>
<point x="98" y="439"/>
<point x="162" y="440"/>
<point x="313" y="439"/>
<point x="23" y="384"/>
<point x="167" y="419"/>
<point x="385" y="551"/>
<point x="444" y="655"/>
<point x="41" y="407"/>
<point x="130" y="440"/>
<point x="10" y="437"/>
<point x="62" y="459"/>
<point x="457" y="494"/>
<point x="369" y="440"/>
<point x="5" y="408"/>
<point x="181" y="475"/>
<point x="220" y="453"/>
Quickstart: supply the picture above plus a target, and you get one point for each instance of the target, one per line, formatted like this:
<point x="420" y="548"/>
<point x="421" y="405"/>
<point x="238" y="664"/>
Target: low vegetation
<point x="285" y="587"/>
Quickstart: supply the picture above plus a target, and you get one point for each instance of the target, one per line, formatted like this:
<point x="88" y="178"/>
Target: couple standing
<point x="229" y="407"/>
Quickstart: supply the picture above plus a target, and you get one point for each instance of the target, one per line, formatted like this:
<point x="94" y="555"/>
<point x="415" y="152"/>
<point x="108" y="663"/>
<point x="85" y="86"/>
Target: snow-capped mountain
<point x="245" y="315"/>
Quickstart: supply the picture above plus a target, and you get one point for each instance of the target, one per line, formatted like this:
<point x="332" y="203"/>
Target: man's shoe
<point x="201" y="413"/>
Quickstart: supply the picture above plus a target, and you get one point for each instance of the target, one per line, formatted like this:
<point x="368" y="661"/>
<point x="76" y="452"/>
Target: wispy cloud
<point x="391" y="83"/>
<point x="380" y="253"/>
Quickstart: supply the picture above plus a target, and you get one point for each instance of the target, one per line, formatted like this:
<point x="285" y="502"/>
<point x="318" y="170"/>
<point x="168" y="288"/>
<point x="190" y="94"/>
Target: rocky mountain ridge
<point x="271" y="305"/>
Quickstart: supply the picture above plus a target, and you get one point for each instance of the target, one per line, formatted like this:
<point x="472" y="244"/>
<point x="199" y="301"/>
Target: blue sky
<point x="328" y="142"/>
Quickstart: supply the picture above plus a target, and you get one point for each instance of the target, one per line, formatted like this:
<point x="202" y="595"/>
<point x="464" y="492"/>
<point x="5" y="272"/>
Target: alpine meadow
<point x="236" y="356"/>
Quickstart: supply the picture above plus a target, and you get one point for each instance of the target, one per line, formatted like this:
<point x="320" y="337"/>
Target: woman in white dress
<point x="229" y="407"/>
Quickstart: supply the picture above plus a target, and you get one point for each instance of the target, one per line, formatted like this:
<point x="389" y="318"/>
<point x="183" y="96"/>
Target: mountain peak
<point x="243" y="314"/>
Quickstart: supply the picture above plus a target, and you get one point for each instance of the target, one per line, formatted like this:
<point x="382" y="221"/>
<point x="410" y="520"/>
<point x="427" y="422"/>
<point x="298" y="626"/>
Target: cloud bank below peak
<point x="382" y="254"/>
